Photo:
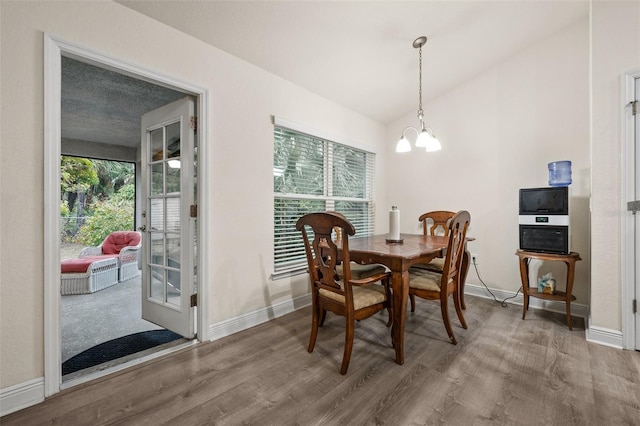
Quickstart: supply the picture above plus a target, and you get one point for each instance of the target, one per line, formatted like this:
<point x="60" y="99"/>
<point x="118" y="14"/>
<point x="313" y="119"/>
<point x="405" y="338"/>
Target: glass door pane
<point x="164" y="215"/>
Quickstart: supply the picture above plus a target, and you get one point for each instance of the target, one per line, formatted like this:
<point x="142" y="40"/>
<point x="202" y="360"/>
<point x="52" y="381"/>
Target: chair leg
<point x="314" y="327"/>
<point x="348" y="345"/>
<point x="444" y="308"/>
<point x="389" y="303"/>
<point x="412" y="298"/>
<point x="323" y="316"/>
<point x="457" y="303"/>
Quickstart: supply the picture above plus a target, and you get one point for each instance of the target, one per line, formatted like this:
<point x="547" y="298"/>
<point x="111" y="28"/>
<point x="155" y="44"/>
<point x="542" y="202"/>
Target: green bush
<point x="109" y="215"/>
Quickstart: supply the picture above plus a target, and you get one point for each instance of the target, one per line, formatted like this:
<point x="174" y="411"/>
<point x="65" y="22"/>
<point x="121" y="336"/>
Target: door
<point x="168" y="230"/>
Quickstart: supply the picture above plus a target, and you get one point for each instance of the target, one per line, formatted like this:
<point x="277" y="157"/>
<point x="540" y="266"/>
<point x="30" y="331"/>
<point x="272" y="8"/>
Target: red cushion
<point x="116" y="241"/>
<point x="80" y="264"/>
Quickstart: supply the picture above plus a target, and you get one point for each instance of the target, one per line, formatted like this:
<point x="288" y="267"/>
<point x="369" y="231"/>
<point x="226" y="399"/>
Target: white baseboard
<point x="21" y="396"/>
<point x="577" y="309"/>
<point x="605" y="336"/>
<point x="251" y="319"/>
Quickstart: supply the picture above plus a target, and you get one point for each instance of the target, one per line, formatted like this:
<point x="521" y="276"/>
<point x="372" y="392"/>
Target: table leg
<point x="569" y="290"/>
<point x="400" y="285"/>
<point x="524" y="278"/>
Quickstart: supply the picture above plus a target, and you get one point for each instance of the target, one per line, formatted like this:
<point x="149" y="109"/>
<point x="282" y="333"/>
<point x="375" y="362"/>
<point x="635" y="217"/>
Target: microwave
<point x="551" y="201"/>
<point x="544" y="220"/>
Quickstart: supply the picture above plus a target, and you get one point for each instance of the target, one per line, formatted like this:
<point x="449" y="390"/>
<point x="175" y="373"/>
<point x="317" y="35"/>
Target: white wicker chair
<point x="124" y="246"/>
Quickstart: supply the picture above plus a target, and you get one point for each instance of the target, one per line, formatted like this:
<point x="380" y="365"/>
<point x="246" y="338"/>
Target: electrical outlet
<point x="474" y="258"/>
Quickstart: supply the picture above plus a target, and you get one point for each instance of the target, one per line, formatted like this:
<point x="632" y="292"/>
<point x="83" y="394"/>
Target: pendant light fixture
<point x="426" y="138"/>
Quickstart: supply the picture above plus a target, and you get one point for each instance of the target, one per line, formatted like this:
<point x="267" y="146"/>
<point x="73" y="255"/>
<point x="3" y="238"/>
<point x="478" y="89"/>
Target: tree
<point x="77" y="175"/>
<point x="112" y="175"/>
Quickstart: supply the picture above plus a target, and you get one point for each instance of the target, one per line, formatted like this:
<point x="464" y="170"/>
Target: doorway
<point x="57" y="51"/>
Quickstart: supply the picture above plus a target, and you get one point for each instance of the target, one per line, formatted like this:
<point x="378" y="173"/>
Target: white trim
<point x="321" y="134"/>
<point x="605" y="337"/>
<point x="627" y="257"/>
<point x="21" y="396"/>
<point x="577" y="309"/>
<point x="260" y="316"/>
<point x="205" y="189"/>
<point x="52" y="114"/>
<point x="54" y="49"/>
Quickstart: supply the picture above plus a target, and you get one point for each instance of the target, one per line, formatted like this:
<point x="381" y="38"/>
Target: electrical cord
<point x="502" y="303"/>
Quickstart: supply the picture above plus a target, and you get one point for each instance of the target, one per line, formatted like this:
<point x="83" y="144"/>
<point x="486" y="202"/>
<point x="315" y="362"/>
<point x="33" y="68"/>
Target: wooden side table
<point x="569" y="259"/>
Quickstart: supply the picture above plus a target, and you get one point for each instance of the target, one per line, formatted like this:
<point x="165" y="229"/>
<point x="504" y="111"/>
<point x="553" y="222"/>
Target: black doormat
<point x="118" y="348"/>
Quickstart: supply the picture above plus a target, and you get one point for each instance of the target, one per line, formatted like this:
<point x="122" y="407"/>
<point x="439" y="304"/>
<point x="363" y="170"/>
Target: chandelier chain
<point x="420" y="112"/>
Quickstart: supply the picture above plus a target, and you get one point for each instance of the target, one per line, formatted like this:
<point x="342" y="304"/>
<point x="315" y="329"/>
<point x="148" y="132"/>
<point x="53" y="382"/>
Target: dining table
<point x="398" y="257"/>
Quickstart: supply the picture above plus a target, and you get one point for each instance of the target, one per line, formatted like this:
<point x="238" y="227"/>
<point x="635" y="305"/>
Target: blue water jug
<point x="560" y="173"/>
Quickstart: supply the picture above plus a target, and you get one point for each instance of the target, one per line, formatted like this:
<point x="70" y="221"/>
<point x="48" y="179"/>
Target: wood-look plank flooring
<point x="504" y="371"/>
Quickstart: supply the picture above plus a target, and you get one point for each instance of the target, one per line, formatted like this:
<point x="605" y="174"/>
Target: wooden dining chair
<point x="435" y="223"/>
<point x="353" y="299"/>
<point x="358" y="271"/>
<point x="431" y="285"/>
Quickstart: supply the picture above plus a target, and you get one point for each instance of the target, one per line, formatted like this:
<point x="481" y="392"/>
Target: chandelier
<point x="426" y="138"/>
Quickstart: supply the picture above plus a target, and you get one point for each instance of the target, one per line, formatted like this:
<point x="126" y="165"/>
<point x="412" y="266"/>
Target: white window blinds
<point x="310" y="175"/>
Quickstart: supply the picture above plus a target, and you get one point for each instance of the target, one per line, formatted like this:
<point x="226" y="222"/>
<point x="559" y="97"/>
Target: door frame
<point x="54" y="49"/>
<point x="628" y="171"/>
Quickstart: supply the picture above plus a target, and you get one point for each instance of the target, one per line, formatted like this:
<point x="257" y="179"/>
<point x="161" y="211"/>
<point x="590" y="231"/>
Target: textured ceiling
<point x="104" y="106"/>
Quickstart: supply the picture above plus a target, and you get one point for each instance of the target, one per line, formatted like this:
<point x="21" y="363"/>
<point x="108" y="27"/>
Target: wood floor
<point x="504" y="371"/>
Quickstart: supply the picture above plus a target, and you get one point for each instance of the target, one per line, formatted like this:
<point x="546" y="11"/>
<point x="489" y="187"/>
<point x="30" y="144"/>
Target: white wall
<point x="615" y="50"/>
<point x="242" y="99"/>
<point x="498" y="133"/>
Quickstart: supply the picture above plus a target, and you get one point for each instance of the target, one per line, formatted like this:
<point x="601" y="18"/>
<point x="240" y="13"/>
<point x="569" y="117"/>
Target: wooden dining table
<point x="398" y="257"/>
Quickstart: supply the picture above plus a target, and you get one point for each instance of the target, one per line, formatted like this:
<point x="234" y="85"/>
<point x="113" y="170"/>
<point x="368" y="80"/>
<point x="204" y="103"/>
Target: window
<point x="312" y="174"/>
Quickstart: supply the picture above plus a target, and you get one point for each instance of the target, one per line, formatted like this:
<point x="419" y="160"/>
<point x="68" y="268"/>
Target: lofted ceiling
<point x="358" y="54"/>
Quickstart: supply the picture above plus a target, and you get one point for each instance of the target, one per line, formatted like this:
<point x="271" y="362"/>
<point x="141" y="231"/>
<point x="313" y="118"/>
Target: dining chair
<point x="431" y="285"/>
<point x="354" y="299"/>
<point x="358" y="271"/>
<point x="435" y="223"/>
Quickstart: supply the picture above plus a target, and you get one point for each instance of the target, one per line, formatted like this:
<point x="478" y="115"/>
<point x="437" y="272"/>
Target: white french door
<point x="168" y="230"/>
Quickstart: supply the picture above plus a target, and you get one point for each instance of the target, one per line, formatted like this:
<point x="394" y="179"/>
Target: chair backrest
<point x="440" y="222"/>
<point x="457" y="234"/>
<point x="118" y="240"/>
<point x="323" y="253"/>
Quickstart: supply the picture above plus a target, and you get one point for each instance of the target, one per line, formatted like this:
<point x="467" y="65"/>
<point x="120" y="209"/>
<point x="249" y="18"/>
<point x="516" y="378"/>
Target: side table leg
<point x="524" y="278"/>
<point x="570" y="275"/>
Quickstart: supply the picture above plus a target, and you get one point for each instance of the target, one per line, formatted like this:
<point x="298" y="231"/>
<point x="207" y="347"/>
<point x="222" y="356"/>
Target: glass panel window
<point x="157" y="144"/>
<point x="173" y="176"/>
<point x="173" y="140"/>
<point x="309" y="175"/>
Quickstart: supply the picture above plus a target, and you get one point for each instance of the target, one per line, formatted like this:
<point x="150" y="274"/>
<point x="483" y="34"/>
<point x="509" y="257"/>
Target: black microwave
<point x="544" y="201"/>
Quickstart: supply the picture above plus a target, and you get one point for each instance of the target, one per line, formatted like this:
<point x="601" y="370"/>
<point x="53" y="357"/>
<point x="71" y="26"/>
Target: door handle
<point x="633" y="206"/>
<point x="142" y="228"/>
